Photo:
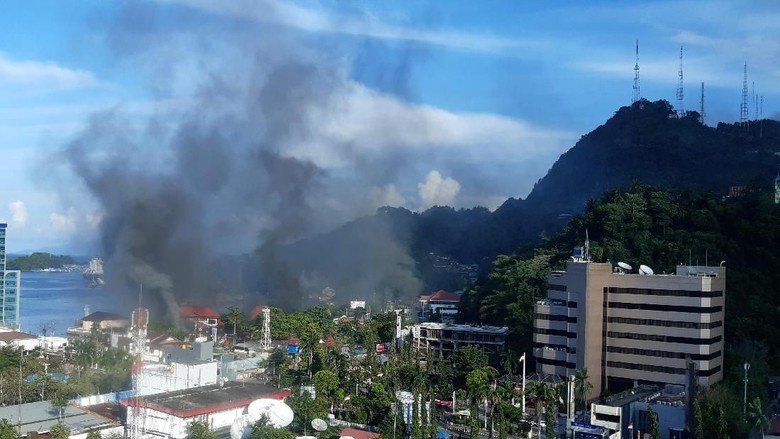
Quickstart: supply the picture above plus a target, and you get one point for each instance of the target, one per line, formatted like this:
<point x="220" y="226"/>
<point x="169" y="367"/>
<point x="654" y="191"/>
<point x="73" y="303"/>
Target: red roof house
<point x="202" y="317"/>
<point x="359" y="434"/>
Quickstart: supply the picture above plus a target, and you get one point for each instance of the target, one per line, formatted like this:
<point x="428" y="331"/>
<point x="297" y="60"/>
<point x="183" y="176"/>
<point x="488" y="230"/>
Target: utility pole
<point x="744" y="397"/>
<point x="522" y="360"/>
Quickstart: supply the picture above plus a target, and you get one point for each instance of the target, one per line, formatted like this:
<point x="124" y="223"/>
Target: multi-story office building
<point x="627" y="328"/>
<point x="10" y="287"/>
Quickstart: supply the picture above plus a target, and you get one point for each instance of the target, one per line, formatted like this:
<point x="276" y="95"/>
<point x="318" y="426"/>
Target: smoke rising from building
<point x="228" y="160"/>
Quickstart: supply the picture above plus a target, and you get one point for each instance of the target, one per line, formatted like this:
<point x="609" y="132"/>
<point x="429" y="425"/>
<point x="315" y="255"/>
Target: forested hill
<point x="40" y="261"/>
<point x="647" y="142"/>
<point x="662" y="228"/>
<point x="648" y="145"/>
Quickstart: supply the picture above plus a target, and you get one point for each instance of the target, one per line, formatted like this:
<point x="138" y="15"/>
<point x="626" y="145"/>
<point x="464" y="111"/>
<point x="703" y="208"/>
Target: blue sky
<point x="461" y="103"/>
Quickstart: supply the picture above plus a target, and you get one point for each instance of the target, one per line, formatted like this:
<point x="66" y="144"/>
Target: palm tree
<point x="479" y="383"/>
<point x="509" y="361"/>
<point x="546" y="397"/>
<point x="234" y="317"/>
<point x="581" y="385"/>
<point x="757" y="416"/>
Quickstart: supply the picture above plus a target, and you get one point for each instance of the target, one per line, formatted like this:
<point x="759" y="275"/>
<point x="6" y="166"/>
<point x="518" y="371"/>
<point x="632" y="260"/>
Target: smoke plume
<point x="230" y="158"/>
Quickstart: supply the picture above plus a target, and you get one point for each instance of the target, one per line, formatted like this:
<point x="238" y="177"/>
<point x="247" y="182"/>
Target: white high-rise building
<point x="10" y="287"/>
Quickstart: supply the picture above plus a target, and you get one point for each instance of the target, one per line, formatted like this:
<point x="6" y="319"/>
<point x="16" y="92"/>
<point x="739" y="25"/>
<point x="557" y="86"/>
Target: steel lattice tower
<point x="636" y="96"/>
<point x="701" y="114"/>
<point x="680" y="105"/>
<point x="265" y="340"/>
<point x="743" y="107"/>
<point x="140" y="320"/>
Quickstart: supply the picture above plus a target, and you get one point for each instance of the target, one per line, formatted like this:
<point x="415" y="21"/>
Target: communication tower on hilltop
<point x="701" y="113"/>
<point x="680" y="101"/>
<point x="636" y="96"/>
<point x="743" y="107"/>
<point x="265" y="340"/>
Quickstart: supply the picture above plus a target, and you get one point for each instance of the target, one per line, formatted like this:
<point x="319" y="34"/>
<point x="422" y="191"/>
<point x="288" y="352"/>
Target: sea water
<point x="54" y="301"/>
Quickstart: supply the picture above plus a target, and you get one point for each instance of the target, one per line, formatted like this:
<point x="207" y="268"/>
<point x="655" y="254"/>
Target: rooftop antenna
<point x="743" y="107"/>
<point x="586" y="253"/>
<point x="701" y="113"/>
<point x="680" y="108"/>
<point x="761" y="118"/>
<point x="636" y="96"/>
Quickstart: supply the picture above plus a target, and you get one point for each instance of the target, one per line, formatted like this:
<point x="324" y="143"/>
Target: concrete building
<point x="10" y="287"/>
<point x="627" y="328"/>
<point x="202" y="319"/>
<point x="184" y="366"/>
<point x="169" y="415"/>
<point x="627" y="412"/>
<point x="443" y="303"/>
<point x="441" y="339"/>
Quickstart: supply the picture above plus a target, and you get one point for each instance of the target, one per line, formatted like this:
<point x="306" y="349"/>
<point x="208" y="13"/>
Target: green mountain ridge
<point x="646" y="144"/>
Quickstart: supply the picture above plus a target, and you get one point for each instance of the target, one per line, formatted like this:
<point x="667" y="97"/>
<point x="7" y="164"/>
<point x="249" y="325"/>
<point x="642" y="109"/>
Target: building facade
<point x="442" y="339"/>
<point x="10" y="287"/>
<point x="443" y="303"/>
<point x="169" y="415"/>
<point x="626" y="328"/>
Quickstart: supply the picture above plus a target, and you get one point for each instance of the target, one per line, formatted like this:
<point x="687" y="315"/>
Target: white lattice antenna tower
<point x="701" y="113"/>
<point x="636" y="95"/>
<point x="680" y="100"/>
<point x="140" y="321"/>
<point x="743" y="107"/>
<point x="265" y="341"/>
<point x="755" y="102"/>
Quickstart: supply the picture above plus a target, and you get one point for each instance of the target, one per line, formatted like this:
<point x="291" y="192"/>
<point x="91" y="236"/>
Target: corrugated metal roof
<point x="41" y="416"/>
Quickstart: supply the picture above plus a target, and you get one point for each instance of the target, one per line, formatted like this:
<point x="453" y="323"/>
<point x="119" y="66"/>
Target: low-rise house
<point x="15" y="339"/>
<point x="169" y="415"/>
<point x="201" y="319"/>
<point x="626" y="412"/>
<point x="443" y="303"/>
<point x="105" y="321"/>
<point x="37" y="418"/>
<point x="358" y="434"/>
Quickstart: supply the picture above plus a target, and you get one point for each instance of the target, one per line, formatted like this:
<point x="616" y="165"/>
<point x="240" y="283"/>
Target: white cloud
<point x="18" y="213"/>
<point x="368" y="26"/>
<point x="63" y="223"/>
<point x="387" y="195"/>
<point x="437" y="191"/>
<point x="359" y="121"/>
<point x="45" y="73"/>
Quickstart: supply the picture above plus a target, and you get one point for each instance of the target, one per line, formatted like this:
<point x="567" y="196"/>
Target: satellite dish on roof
<point x="279" y="414"/>
<point x="318" y="424"/>
<point x="625" y="267"/>
<point x="644" y="269"/>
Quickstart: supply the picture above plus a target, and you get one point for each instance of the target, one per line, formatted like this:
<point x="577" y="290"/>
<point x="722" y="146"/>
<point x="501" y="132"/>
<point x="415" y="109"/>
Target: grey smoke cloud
<point x="215" y="175"/>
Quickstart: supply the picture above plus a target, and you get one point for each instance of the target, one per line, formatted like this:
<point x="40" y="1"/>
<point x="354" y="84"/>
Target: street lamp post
<point x="522" y="360"/>
<point x="744" y="396"/>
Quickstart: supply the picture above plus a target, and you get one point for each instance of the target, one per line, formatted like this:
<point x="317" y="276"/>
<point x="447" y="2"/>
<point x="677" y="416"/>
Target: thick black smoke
<point x="209" y="172"/>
